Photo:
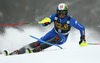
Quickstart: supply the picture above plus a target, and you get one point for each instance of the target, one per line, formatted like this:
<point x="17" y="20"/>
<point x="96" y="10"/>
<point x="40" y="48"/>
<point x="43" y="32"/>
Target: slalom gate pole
<point x="46" y="42"/>
<point x="93" y="43"/>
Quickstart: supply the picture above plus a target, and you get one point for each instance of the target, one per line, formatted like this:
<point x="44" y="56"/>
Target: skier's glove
<point x="45" y="24"/>
<point x="82" y="41"/>
<point x="46" y="21"/>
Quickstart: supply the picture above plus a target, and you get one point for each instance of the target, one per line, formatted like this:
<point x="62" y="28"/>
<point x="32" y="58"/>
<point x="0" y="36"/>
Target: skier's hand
<point x="82" y="41"/>
<point x="47" y="19"/>
<point x="45" y="24"/>
<point x="83" y="44"/>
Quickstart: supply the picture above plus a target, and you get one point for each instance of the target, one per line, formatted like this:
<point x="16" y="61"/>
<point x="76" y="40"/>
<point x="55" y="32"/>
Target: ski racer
<point x="59" y="34"/>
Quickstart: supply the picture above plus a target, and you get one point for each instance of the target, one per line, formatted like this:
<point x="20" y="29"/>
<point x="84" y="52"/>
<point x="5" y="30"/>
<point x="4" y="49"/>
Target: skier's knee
<point x="34" y="44"/>
<point x="55" y="40"/>
<point x="62" y="40"/>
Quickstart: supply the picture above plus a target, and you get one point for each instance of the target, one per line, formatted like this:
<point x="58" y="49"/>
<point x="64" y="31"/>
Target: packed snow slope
<point x="71" y="53"/>
<point x="89" y="54"/>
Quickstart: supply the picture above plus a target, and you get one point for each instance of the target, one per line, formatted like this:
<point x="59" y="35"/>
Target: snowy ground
<point x="89" y="54"/>
<point x="72" y="53"/>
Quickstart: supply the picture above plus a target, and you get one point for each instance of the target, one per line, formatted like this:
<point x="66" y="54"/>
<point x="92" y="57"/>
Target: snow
<point x="89" y="54"/>
<point x="71" y="53"/>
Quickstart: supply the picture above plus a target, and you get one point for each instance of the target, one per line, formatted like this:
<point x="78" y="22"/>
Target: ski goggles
<point x="63" y="12"/>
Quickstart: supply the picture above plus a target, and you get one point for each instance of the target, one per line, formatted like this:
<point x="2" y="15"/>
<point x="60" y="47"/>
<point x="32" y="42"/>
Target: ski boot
<point x="29" y="51"/>
<point x="13" y="53"/>
<point x="36" y="49"/>
<point x="6" y="52"/>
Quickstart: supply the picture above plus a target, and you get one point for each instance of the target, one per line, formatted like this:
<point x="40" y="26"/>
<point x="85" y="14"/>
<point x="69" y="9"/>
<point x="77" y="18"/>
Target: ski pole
<point x="93" y="43"/>
<point x="46" y="42"/>
<point x="18" y="24"/>
<point x="40" y="22"/>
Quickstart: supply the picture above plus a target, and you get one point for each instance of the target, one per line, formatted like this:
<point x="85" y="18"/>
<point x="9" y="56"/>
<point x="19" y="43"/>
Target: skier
<point x="59" y="34"/>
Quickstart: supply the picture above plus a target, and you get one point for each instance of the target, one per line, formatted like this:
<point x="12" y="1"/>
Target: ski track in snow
<point x="72" y="53"/>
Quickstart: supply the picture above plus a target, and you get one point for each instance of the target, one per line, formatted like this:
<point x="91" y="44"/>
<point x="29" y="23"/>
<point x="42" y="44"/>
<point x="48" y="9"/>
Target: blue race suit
<point x="54" y="32"/>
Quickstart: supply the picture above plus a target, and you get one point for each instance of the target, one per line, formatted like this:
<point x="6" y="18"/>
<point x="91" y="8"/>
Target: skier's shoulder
<point x="52" y="16"/>
<point x="71" y="18"/>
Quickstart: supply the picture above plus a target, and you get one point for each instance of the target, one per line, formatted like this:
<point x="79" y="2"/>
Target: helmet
<point x="62" y="9"/>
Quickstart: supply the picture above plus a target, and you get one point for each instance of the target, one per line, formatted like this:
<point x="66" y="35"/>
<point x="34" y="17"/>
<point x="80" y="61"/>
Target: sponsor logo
<point x="61" y="6"/>
<point x="59" y="25"/>
<point x="80" y="26"/>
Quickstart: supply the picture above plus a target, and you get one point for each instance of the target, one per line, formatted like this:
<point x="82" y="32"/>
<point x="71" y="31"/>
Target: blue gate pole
<point x="46" y="42"/>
